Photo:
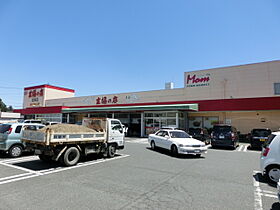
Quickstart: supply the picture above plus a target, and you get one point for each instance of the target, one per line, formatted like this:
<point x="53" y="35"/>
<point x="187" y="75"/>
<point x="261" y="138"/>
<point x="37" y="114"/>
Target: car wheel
<point x="174" y="151"/>
<point x="153" y="145"/>
<point x="273" y="173"/>
<point x="15" y="151"/>
<point x="71" y="156"/>
<point x="111" y="150"/>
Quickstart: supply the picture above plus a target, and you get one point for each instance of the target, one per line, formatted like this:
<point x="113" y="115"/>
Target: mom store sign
<point x="196" y="80"/>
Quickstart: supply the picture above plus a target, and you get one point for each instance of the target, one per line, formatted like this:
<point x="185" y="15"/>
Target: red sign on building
<point x="105" y="100"/>
<point x="35" y="93"/>
<point x="196" y="81"/>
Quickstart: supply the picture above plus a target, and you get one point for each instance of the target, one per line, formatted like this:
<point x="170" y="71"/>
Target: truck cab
<point x="116" y="133"/>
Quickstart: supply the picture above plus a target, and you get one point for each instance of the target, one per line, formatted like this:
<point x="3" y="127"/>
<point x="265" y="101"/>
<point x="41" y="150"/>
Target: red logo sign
<point x="195" y="79"/>
<point x="105" y="100"/>
<point x="34" y="93"/>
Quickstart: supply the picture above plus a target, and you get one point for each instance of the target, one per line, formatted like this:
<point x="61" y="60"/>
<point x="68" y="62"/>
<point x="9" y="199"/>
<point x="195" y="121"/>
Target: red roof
<point x="50" y="86"/>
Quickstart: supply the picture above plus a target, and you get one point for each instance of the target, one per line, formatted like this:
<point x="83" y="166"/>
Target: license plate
<point x="197" y="150"/>
<point x="262" y="139"/>
<point x="221" y="137"/>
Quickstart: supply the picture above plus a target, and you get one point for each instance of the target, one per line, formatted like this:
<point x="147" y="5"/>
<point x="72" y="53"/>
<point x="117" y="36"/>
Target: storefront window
<point x="171" y="122"/>
<point x="171" y="114"/>
<point x="156" y="120"/>
<point x="148" y="114"/>
<point x="203" y="122"/>
<point x="195" y="122"/>
<point x="49" y="117"/>
<point x="209" y="122"/>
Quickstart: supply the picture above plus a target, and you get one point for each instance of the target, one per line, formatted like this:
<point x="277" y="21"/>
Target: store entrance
<point x="132" y="121"/>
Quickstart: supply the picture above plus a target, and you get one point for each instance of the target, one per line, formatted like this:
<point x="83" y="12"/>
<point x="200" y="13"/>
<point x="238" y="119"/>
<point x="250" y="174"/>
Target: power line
<point x="17" y="88"/>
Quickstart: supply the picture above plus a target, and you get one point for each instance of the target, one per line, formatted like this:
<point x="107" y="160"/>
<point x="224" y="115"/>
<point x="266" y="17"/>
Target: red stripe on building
<point x="41" y="110"/>
<point x="50" y="86"/>
<point x="242" y="104"/>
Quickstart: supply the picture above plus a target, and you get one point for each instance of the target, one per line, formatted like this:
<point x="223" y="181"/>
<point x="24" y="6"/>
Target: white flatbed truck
<point x="66" y="143"/>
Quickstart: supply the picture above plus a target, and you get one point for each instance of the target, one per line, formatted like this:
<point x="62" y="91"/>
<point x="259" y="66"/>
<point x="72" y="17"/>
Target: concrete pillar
<point x="177" y="119"/>
<point x="142" y="125"/>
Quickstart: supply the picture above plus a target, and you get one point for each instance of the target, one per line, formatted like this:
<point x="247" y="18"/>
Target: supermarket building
<point x="245" y="96"/>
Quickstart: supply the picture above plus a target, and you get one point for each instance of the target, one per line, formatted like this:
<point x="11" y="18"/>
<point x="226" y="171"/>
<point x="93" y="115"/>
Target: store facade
<point x="246" y="96"/>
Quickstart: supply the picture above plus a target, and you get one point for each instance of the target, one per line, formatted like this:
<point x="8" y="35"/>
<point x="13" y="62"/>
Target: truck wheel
<point x="111" y="150"/>
<point x="15" y="151"/>
<point x="45" y="158"/>
<point x="71" y="156"/>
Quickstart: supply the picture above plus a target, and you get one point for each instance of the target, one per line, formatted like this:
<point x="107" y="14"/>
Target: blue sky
<point x="114" y="46"/>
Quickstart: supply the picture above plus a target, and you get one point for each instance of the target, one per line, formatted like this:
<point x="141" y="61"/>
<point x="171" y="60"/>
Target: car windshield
<point x="221" y="129"/>
<point x="179" y="134"/>
<point x="4" y="128"/>
<point x="261" y="132"/>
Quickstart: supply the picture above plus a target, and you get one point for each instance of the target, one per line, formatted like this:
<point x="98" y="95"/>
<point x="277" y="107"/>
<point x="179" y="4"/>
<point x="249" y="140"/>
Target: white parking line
<point x="20" y="160"/>
<point x="240" y="148"/>
<point x="19" y="179"/>
<point x="257" y="192"/>
<point x="19" y="168"/>
<point x="15" y="176"/>
<point x="84" y="164"/>
<point x="268" y="195"/>
<point x="32" y="173"/>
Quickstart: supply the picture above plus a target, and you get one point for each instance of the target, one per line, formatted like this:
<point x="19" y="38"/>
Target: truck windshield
<point x="4" y="128"/>
<point x="178" y="134"/>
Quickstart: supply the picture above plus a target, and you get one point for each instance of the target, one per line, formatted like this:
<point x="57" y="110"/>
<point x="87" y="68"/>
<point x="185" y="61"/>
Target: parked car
<point x="224" y="135"/>
<point x="32" y="121"/>
<point x="270" y="158"/>
<point x="177" y="142"/>
<point x="10" y="137"/>
<point x="200" y="134"/>
<point x="169" y="127"/>
<point x="258" y="137"/>
<point x="51" y="123"/>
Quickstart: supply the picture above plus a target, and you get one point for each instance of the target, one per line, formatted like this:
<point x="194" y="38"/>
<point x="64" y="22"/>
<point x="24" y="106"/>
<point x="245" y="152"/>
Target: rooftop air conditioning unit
<point x="169" y="85"/>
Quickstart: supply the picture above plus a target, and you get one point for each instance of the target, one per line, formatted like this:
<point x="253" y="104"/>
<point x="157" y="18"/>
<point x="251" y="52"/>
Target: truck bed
<point x="63" y="134"/>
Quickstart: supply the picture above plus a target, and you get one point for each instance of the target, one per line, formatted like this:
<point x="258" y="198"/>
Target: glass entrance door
<point x="156" y="120"/>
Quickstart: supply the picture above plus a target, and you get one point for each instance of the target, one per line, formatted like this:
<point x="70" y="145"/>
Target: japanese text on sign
<point x="106" y="100"/>
<point x="34" y="93"/>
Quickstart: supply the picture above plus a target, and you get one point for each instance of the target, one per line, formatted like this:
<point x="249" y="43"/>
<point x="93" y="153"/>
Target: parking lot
<point x="139" y="178"/>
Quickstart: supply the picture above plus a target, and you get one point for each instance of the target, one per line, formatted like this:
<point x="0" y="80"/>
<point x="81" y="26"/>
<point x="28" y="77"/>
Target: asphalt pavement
<point x="139" y="178"/>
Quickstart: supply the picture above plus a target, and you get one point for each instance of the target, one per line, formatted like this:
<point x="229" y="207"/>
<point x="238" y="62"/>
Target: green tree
<point x="4" y="108"/>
